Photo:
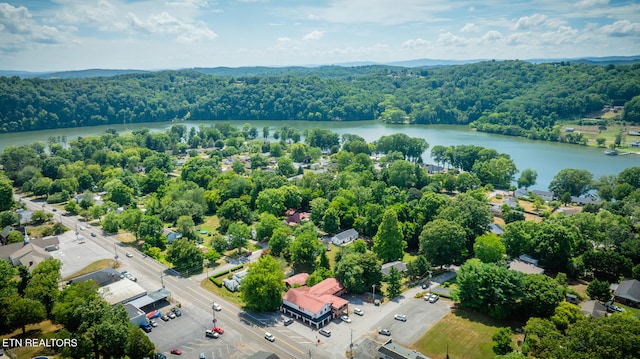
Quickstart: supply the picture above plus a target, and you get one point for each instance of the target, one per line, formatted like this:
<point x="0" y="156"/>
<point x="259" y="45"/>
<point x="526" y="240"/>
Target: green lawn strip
<point x="466" y="333"/>
<point x="95" y="266"/>
<point x="224" y="293"/>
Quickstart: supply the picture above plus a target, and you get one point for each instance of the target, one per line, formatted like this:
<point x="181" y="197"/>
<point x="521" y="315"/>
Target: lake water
<point x="547" y="158"/>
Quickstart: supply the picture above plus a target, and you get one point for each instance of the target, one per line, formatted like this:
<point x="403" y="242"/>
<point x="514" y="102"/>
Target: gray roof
<point x="263" y="355"/>
<point x="400" y="266"/>
<point x="628" y="289"/>
<point x="102" y="277"/>
<point x="395" y="351"/>
<point x="594" y="308"/>
<point x="349" y="233"/>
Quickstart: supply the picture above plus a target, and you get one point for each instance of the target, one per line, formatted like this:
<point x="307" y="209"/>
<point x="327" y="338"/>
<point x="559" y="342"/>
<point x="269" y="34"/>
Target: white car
<point x="358" y="311"/>
<point x="129" y="255"/>
<point x="268" y="336"/>
<point x="345" y="318"/>
<point x="217" y="307"/>
<point x="211" y="334"/>
<point x="400" y="317"/>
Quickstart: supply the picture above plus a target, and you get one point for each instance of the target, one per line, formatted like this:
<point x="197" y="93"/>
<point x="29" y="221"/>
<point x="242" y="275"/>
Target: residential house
<point x="495" y="229"/>
<point x="29" y="252"/>
<point x="526" y="267"/>
<point x="628" y="292"/>
<point x="400" y="266"/>
<point x="345" y="237"/>
<point x="234" y="283"/>
<point x="25" y="215"/>
<point x="316" y="305"/>
<point x="593" y="308"/>
<point x="294" y="217"/>
<point x="391" y="350"/>
<point x="4" y="235"/>
<point x="299" y="279"/>
<point x="172" y="235"/>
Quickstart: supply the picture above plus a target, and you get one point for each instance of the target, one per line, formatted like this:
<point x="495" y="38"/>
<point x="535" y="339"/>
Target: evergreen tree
<point x="388" y="243"/>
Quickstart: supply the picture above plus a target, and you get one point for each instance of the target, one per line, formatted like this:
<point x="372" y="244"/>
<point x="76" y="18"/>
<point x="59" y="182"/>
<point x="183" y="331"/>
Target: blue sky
<point x="139" y="34"/>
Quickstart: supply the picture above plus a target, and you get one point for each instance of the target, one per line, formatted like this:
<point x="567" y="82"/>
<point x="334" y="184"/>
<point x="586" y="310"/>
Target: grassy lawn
<point x="33" y="331"/>
<point x="466" y="333"/>
<point x="592" y="133"/>
<point x="232" y="297"/>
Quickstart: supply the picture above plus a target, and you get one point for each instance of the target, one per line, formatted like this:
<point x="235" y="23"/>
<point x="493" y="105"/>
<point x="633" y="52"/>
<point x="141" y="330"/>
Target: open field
<point x="463" y="333"/>
<point x="592" y="132"/>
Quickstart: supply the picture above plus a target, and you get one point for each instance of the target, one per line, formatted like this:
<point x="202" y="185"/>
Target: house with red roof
<point x="316" y="305"/>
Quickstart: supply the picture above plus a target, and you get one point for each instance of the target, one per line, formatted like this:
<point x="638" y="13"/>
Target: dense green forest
<point x="508" y="97"/>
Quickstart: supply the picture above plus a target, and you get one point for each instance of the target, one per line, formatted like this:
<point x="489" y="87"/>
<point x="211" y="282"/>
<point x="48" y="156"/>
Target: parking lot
<point x="187" y="333"/>
<point x="77" y="254"/>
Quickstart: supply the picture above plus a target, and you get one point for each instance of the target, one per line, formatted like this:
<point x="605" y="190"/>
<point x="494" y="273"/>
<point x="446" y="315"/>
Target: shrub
<point x="216" y="282"/>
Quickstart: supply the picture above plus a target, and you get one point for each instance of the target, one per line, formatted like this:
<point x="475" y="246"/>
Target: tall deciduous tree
<point x="599" y="290"/>
<point x="527" y="178"/>
<point x="394" y="283"/>
<point x="442" y="242"/>
<point x="43" y="286"/>
<point x="23" y="311"/>
<point x="263" y="285"/>
<point x="6" y="194"/>
<point x="304" y="249"/>
<point x="185" y="256"/>
<point x="574" y="181"/>
<point x="388" y="243"/>
<point x="502" y="343"/>
<point x="542" y="294"/>
<point x="239" y="234"/>
<point x="489" y="248"/>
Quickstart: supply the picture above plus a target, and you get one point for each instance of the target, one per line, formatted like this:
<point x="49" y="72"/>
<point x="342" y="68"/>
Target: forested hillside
<point x="509" y="97"/>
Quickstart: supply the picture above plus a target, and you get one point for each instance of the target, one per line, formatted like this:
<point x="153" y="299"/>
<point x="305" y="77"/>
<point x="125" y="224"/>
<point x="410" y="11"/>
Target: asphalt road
<point x="244" y="332"/>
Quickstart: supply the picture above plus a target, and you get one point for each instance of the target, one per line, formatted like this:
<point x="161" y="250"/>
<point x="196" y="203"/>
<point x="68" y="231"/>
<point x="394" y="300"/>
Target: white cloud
<point x="621" y="28"/>
<point x="18" y="29"/>
<point x="470" y="27"/>
<point x="449" y="39"/>
<point x="313" y="35"/>
<point x="416" y="43"/>
<point x="383" y="12"/>
<point x="491" y="36"/>
<point x="527" y="22"/>
<point x="164" y="23"/>
<point x="582" y="4"/>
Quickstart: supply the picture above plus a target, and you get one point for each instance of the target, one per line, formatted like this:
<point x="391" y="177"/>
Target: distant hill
<point x="337" y="70"/>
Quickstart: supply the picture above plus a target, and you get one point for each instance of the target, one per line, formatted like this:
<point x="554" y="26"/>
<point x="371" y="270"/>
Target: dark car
<point x="288" y="321"/>
<point x="146" y="327"/>
<point x="386" y="332"/>
<point x="177" y="312"/>
<point x="159" y="356"/>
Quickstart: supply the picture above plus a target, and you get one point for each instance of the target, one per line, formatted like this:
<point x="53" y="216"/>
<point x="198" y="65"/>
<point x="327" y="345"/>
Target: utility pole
<point x="374" y="292"/>
<point x="351" y="346"/>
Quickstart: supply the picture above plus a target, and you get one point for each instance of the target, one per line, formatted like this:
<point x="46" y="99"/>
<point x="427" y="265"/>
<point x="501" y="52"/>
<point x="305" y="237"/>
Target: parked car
<point x="165" y="318"/>
<point x="202" y="356"/>
<point x="159" y="356"/>
<point x="176" y="351"/>
<point x="129" y="255"/>
<point x="325" y="332"/>
<point x="211" y="334"/>
<point x="268" y="336"/>
<point x="358" y="311"/>
<point x="176" y="311"/>
<point x="171" y="315"/>
<point x="93" y="234"/>
<point x="153" y="323"/>
<point x="218" y="330"/>
<point x="400" y="317"/>
<point x="288" y="321"/>
<point x="386" y="332"/>
<point x="146" y="327"/>
<point x="217" y="307"/>
<point x="433" y="298"/>
<point x="345" y="318"/>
